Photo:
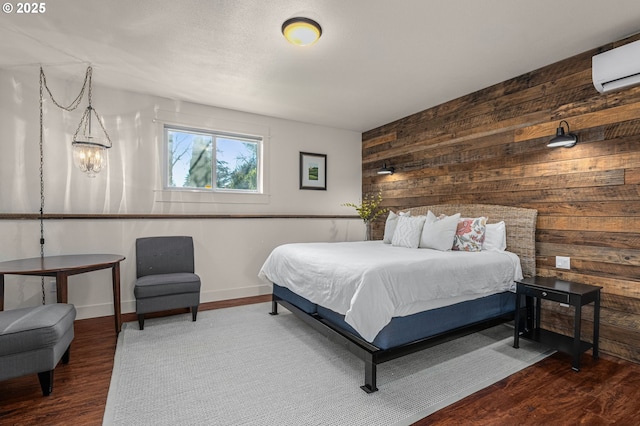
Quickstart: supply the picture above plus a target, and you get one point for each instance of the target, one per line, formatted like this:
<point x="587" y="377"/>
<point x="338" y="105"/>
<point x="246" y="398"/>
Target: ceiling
<point x="377" y="60"/>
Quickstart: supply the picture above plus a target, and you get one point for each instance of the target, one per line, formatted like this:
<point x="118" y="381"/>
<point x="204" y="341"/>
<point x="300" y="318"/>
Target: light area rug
<point x="242" y="366"/>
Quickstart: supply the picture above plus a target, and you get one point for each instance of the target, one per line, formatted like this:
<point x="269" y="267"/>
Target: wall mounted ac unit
<point x="617" y="68"/>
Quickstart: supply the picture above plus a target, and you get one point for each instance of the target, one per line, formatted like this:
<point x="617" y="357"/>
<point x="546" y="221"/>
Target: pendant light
<point x="89" y="147"/>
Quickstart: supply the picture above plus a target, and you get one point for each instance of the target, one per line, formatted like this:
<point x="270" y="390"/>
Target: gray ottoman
<point x="33" y="340"/>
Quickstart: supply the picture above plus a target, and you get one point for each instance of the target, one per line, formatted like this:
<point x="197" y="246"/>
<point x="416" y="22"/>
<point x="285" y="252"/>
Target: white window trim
<point x="163" y="194"/>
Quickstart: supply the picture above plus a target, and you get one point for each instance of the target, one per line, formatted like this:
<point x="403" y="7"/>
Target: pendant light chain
<point x="42" y="180"/>
<point x="76" y="102"/>
<point x="85" y="121"/>
<point x="71" y="107"/>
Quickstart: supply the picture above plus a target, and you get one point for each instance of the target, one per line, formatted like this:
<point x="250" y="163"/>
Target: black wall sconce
<point x="561" y="139"/>
<point x="386" y="170"/>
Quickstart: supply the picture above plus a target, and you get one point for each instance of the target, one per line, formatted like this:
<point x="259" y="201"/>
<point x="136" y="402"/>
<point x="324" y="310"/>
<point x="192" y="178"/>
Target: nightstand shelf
<point x="555" y="340"/>
<point x="564" y="292"/>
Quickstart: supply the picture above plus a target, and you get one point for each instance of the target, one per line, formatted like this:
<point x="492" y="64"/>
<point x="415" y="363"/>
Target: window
<point x="215" y="161"/>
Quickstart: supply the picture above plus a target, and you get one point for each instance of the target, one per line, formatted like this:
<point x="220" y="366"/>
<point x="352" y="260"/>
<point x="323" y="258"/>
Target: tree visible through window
<point x="209" y="160"/>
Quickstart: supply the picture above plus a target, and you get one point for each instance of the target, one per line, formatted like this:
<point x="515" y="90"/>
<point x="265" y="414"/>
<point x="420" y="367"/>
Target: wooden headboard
<point x="520" y="224"/>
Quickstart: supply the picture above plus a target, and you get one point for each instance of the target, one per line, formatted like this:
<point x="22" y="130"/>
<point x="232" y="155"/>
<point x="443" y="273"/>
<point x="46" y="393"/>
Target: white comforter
<point x="370" y="282"/>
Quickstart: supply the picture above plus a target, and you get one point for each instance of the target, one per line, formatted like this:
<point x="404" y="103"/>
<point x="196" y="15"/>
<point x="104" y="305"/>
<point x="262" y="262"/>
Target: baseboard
<point x="127" y="306"/>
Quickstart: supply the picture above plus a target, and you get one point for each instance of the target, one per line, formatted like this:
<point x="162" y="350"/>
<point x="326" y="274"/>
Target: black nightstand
<point x="566" y="292"/>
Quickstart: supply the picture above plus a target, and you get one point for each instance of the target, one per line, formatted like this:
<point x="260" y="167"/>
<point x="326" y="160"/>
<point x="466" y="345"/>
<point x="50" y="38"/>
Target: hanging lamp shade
<point x="301" y="31"/>
<point x="89" y="148"/>
<point x="89" y="156"/>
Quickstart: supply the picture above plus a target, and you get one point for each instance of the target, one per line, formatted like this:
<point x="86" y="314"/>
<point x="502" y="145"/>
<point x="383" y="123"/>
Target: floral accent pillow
<point x="470" y="234"/>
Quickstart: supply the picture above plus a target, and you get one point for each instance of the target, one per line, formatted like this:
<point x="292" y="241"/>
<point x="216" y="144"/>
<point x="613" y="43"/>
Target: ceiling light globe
<point x="301" y="31"/>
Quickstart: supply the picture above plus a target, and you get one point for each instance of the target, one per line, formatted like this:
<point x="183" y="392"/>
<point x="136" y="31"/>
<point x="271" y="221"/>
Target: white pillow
<point x="438" y="234"/>
<point x="407" y="233"/>
<point x="390" y="225"/>
<point x="495" y="237"/>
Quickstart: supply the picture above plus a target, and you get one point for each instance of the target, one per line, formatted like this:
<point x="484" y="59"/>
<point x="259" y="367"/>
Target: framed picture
<point x="313" y="171"/>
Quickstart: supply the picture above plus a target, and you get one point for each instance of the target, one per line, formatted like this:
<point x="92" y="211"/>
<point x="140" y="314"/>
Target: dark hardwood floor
<point x="548" y="393"/>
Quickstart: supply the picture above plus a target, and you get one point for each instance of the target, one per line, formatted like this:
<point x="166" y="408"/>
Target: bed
<point x="383" y="301"/>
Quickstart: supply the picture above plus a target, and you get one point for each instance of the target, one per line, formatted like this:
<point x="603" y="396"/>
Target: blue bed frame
<point x="405" y="335"/>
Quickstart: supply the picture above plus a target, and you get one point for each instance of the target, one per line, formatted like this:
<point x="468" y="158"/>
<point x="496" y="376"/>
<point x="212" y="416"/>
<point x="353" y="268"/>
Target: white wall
<point x="229" y="252"/>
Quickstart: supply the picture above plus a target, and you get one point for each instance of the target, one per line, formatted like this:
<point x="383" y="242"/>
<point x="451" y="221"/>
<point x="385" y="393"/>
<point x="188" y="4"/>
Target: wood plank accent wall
<point x="490" y="147"/>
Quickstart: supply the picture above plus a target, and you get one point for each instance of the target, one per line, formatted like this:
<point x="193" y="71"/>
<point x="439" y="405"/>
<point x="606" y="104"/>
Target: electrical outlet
<point x="52" y="286"/>
<point x="563" y="262"/>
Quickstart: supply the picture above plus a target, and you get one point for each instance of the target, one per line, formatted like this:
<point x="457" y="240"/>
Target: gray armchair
<point x="34" y="340"/>
<point x="165" y="276"/>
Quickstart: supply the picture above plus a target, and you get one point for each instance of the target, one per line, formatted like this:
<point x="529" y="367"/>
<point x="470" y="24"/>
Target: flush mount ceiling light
<point x="561" y="139"/>
<point x="386" y="170"/>
<point x="301" y="31"/>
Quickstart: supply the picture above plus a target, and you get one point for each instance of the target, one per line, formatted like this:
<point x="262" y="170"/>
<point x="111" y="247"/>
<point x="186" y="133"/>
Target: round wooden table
<point x="62" y="267"/>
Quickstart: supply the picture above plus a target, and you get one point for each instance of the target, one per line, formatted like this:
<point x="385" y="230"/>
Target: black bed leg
<point x="369" y="377"/>
<point x="274" y="307"/>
